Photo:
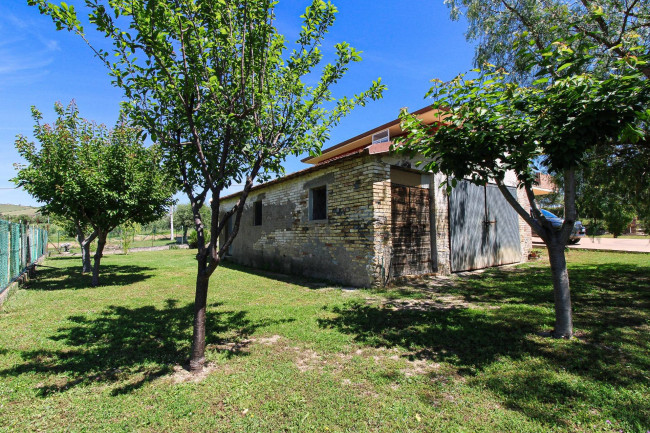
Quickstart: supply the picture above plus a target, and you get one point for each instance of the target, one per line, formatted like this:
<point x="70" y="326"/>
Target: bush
<point x="193" y="238"/>
<point x="618" y="218"/>
<point x="595" y="228"/>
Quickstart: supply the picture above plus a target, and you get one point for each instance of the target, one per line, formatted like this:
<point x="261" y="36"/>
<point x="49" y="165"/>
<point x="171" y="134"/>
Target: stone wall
<point x="525" y="232"/>
<point x="383" y="245"/>
<point x="340" y="248"/>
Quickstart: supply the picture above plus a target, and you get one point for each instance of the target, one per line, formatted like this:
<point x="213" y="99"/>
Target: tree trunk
<point x="561" y="293"/>
<point x="85" y="252"/>
<point x="85" y="257"/>
<point x="200" y="300"/>
<point x="555" y="242"/>
<point x="84" y="244"/>
<point x="101" y="242"/>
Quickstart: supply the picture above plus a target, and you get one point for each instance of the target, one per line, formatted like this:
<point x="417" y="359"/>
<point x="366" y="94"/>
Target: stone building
<point x="362" y="215"/>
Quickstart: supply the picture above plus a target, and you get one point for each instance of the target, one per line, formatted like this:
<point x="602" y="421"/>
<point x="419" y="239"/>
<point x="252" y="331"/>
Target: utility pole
<point x="172" y="223"/>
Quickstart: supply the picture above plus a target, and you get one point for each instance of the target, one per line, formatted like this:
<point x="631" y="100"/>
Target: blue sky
<point x="406" y="43"/>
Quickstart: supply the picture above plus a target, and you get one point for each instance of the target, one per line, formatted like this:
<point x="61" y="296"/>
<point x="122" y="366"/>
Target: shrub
<point x="595" y="228"/>
<point x="617" y="218"/>
<point x="193" y="238"/>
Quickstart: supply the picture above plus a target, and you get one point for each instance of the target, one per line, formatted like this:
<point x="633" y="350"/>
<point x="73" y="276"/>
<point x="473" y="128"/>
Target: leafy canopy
<point x="217" y="74"/>
<point x="218" y="87"/>
<point x="216" y="84"/>
<point x="616" y="29"/>
<point x="90" y="175"/>
<point x="489" y="124"/>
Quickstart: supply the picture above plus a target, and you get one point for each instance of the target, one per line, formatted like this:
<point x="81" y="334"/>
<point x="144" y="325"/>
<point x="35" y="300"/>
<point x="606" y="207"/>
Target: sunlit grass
<point x="290" y="354"/>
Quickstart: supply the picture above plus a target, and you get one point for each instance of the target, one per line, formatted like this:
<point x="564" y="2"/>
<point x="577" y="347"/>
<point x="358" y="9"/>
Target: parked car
<point x="577" y="233"/>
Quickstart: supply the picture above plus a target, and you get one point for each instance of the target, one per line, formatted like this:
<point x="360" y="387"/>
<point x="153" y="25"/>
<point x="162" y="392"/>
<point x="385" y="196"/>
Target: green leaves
<point x="85" y="173"/>
<point x="488" y="125"/>
<point x="601" y="31"/>
<point x="63" y="15"/>
<point x="219" y="89"/>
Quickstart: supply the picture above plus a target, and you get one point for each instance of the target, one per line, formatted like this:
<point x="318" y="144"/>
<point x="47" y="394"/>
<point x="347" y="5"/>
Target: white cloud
<point x="13" y="64"/>
<point x="51" y="44"/>
<point x="25" y="51"/>
<point x="15" y="21"/>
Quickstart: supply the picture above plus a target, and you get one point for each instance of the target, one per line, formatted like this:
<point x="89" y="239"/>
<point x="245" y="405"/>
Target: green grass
<point x="116" y="243"/>
<point x="111" y="243"/>
<point x="288" y="354"/>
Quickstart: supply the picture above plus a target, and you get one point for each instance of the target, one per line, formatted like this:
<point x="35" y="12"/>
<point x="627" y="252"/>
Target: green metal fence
<point x="20" y="245"/>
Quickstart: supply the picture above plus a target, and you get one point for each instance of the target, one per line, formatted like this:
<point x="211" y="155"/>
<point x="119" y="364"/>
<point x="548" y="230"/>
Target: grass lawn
<point x="111" y="244"/>
<point x="287" y="354"/>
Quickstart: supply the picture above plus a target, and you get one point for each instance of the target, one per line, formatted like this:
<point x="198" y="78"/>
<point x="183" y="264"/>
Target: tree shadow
<point x="68" y="277"/>
<point x="460" y="336"/>
<point x="131" y="346"/>
<point x="505" y="310"/>
<point x="601" y="285"/>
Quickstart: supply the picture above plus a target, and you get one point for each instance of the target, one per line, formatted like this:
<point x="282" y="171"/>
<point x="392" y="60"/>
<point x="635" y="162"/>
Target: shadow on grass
<point x="311" y="283"/>
<point x="70" y="277"/>
<point x="505" y="309"/>
<point x="130" y="346"/>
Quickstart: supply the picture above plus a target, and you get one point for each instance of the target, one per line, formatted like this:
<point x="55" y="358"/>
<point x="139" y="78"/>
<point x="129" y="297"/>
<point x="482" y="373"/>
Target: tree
<point x="184" y="217"/>
<point x="214" y="83"/>
<point x="95" y="178"/>
<point x="613" y="27"/>
<point x="80" y="230"/>
<point x="614" y="30"/>
<point x="617" y="217"/>
<point x="490" y="126"/>
<point x="616" y="179"/>
<point x="128" y="231"/>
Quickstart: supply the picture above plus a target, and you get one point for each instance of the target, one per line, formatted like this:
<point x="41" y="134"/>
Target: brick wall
<point x="340" y="248"/>
<point x="545" y="181"/>
<point x="382" y="241"/>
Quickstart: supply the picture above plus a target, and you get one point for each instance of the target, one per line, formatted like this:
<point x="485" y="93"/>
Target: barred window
<point x="257" y="217"/>
<point x="318" y="203"/>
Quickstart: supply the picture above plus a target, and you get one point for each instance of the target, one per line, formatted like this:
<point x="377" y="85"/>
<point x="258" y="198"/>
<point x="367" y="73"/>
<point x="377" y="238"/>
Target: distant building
<point x="544" y="184"/>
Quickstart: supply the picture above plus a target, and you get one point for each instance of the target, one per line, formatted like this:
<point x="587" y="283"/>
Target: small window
<point x="257" y="217"/>
<point x="318" y="203"/>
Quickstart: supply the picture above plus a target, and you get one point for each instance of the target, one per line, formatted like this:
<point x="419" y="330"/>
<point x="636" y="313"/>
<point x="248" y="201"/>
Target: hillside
<point x="15" y="210"/>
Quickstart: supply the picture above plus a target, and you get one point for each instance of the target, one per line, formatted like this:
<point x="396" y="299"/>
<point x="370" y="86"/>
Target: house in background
<point x="544" y="184"/>
<point x="362" y="215"/>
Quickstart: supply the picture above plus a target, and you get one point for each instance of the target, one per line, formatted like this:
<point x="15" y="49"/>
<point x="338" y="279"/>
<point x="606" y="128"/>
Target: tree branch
<point x="520" y="210"/>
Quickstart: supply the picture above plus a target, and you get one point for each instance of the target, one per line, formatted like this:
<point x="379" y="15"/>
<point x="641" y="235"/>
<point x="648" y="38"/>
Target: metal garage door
<point x="484" y="227"/>
<point x="411" y="236"/>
